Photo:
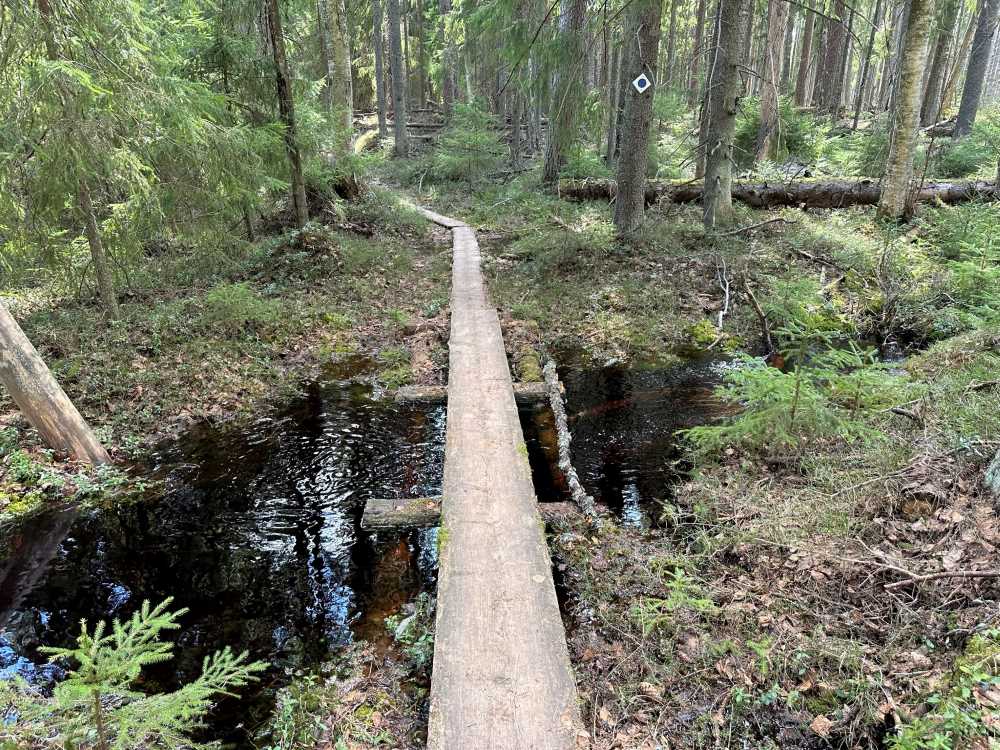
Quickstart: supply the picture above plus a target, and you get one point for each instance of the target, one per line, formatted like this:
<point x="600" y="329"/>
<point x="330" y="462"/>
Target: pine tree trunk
<point x="767" y="134"/>
<point x="449" y="58"/>
<point x="102" y="271"/>
<point x="787" y="47"/>
<point x="516" y="113"/>
<point x="694" y="85"/>
<point x="398" y="73"/>
<point x="805" y="59"/>
<point x="614" y="95"/>
<point x="418" y="7"/>
<point x="567" y="95"/>
<point x="286" y="107"/>
<point x="643" y="37"/>
<point x="379" y="49"/>
<point x="932" y="94"/>
<point x="899" y="169"/>
<point x="723" y="88"/>
<point x="40" y="398"/>
<point x="865" y="73"/>
<point x="958" y="65"/>
<point x="833" y="83"/>
<point x="668" y="75"/>
<point x="982" y="47"/>
<point x="341" y="85"/>
<point x="325" y="51"/>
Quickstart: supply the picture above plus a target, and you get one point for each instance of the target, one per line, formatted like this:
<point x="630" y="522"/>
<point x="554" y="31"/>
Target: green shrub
<point x="831" y="397"/>
<point x="961" y="158"/>
<point x="583" y="163"/>
<point x="800" y="136"/>
<point x="469" y="148"/>
<point x="868" y="152"/>
<point x="234" y="308"/>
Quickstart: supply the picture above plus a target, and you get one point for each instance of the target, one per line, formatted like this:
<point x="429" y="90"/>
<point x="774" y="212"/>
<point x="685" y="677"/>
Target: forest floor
<point x="775" y="605"/>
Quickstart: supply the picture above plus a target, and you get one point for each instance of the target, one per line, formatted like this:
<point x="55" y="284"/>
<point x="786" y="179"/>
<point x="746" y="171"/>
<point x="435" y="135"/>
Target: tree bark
<point x="805" y="58"/>
<point x="668" y="73"/>
<point x="824" y="194"/>
<point x="40" y="398"/>
<point x="961" y="59"/>
<point x="723" y="90"/>
<point x="786" y="50"/>
<point x="767" y="134"/>
<point x="982" y="47"/>
<point x="449" y="58"/>
<point x="398" y="72"/>
<point x="286" y="107"/>
<point x="932" y="94"/>
<point x="614" y="95"/>
<point x="566" y="96"/>
<point x="379" y="49"/>
<point x="342" y="85"/>
<point x="899" y="169"/>
<point x="832" y="87"/>
<point x="865" y="72"/>
<point x="694" y="85"/>
<point x="102" y="271"/>
<point x="643" y="36"/>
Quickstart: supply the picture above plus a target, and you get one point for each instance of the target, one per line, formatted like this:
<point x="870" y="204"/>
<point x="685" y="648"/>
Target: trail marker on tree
<point x="642" y="83"/>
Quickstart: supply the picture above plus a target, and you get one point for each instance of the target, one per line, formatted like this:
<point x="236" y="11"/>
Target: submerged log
<point x="40" y="398"/>
<point x="425" y="513"/>
<point x="820" y="194"/>
<point x="524" y="393"/>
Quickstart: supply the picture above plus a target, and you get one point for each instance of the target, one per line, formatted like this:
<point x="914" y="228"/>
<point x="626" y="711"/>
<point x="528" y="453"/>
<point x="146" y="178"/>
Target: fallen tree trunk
<point x="40" y="398"/>
<point x="824" y="194"/>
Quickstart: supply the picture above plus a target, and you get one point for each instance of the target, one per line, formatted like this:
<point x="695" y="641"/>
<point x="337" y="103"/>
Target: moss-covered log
<point x="818" y="194"/>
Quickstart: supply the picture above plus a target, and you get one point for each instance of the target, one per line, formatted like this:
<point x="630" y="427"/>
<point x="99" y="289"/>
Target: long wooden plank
<point x="501" y="678"/>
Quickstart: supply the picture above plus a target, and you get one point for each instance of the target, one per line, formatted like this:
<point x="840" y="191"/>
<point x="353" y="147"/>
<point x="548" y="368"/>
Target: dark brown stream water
<point x="257" y="530"/>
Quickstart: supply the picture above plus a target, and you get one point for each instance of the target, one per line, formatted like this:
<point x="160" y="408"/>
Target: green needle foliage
<point x="96" y="706"/>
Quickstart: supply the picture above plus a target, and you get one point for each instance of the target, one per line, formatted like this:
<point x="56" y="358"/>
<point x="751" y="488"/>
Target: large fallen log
<point x="818" y="194"/>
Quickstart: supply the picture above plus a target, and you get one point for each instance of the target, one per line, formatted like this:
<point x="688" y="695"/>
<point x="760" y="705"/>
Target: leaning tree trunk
<point x="397" y="70"/>
<point x="379" y="50"/>
<point x="805" y="59"/>
<point x="39" y="397"/>
<point x="932" y="94"/>
<point x="767" y="135"/>
<point x="979" y="58"/>
<point x="723" y="87"/>
<point x="102" y="271"/>
<point x="286" y="107"/>
<point x="899" y="169"/>
<point x="643" y="37"/>
<point x="566" y="96"/>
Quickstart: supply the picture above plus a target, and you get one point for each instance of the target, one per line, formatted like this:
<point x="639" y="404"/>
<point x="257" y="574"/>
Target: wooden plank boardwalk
<point x="501" y="678"/>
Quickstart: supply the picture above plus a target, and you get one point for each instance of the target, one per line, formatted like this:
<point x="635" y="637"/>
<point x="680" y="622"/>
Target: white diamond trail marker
<point x="642" y="83"/>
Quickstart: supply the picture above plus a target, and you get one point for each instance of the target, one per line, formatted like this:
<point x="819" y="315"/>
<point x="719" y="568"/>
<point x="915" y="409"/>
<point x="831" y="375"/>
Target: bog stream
<point x="256" y="529"/>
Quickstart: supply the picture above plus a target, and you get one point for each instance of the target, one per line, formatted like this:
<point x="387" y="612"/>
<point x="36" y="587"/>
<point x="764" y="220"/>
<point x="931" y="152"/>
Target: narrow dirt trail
<point x="501" y="678"/>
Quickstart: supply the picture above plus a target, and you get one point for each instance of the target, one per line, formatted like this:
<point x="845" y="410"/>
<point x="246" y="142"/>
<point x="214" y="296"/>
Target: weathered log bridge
<point x="501" y="678"/>
<point x="812" y="194"/>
